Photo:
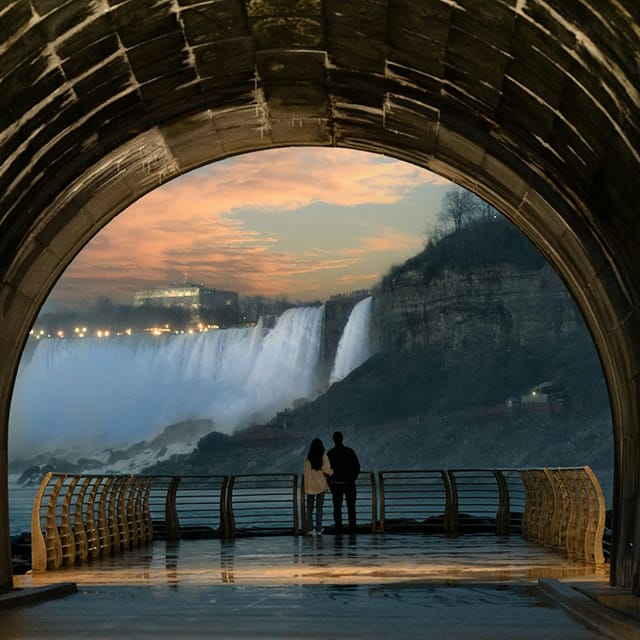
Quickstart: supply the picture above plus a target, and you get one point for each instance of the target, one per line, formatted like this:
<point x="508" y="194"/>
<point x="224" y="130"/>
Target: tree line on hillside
<point x="470" y="234"/>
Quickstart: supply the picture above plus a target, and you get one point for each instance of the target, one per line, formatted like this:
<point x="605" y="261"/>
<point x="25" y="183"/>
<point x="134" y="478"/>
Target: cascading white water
<point x="116" y="391"/>
<point x="355" y="344"/>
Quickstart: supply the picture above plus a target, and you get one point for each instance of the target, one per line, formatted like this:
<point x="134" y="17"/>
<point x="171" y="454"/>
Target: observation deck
<point x="392" y="579"/>
<point x="392" y="585"/>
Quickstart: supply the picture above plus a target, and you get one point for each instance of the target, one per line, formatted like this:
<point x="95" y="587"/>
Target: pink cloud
<point x="188" y="228"/>
<point x="389" y="239"/>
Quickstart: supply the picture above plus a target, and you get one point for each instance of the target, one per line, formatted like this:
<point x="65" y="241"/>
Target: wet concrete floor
<point x="364" y="586"/>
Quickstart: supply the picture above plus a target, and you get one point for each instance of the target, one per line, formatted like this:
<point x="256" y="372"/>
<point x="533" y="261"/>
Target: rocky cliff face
<point x="503" y="305"/>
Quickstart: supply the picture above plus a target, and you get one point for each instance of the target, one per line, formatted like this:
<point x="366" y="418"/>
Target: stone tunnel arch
<point x="531" y="104"/>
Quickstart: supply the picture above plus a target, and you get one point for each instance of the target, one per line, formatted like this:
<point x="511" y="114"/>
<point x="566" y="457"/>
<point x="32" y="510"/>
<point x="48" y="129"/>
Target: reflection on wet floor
<point x="329" y="559"/>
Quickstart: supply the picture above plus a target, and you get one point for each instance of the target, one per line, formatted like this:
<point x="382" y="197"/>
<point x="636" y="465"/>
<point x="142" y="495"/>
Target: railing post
<point x="231" y="529"/>
<point x="553" y="510"/>
<point x="595" y="530"/>
<point x="171" y="522"/>
<point x="374" y="503"/>
<point x="503" y="515"/>
<point x="130" y="512"/>
<point x="138" y="513"/>
<point x="52" y="537"/>
<point x="94" y="539"/>
<point x="121" y="511"/>
<point x="382" y="501"/>
<point x="451" y="520"/>
<point x="67" y="538"/>
<point x="146" y="513"/>
<point x="294" y="500"/>
<point x="79" y="527"/>
<point x="114" y="516"/>
<point x="224" y="517"/>
<point x="104" y="530"/>
<point x="303" y="507"/>
<point x="38" y="543"/>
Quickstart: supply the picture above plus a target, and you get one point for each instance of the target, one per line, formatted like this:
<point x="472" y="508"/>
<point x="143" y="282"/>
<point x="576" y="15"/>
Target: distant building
<point x="211" y="306"/>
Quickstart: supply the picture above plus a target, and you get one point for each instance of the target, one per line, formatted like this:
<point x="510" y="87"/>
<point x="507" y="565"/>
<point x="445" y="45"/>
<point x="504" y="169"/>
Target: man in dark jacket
<point x="346" y="467"/>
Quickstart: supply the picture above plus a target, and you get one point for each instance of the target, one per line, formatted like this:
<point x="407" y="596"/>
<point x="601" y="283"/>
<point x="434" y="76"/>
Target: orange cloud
<point x="189" y="228"/>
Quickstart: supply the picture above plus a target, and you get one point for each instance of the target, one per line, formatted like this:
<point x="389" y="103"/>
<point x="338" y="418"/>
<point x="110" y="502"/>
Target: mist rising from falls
<point x="75" y="393"/>
<point x="355" y="344"/>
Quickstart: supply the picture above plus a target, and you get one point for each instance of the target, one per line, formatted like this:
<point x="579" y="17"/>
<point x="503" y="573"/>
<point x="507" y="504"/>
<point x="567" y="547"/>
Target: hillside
<point x="472" y="321"/>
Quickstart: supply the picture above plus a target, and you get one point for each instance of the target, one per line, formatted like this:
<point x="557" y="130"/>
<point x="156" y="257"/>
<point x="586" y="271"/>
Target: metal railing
<point x="564" y="509"/>
<point x="87" y="517"/>
<point x="79" y="517"/>
<point x="262" y="503"/>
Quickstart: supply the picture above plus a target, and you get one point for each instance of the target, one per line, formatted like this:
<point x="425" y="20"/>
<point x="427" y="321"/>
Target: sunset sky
<point x="301" y="222"/>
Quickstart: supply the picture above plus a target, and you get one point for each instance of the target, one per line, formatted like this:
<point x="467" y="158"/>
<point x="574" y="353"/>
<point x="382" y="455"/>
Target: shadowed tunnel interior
<point x="531" y="104"/>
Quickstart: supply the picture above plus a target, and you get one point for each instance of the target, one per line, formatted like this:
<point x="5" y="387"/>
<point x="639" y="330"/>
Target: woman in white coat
<point x="316" y="471"/>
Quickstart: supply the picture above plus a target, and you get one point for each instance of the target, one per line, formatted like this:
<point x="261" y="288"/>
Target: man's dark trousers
<point x="346" y="491"/>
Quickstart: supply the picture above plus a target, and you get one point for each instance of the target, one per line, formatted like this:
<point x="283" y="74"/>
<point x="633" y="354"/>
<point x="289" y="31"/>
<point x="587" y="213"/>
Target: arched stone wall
<point x="532" y="104"/>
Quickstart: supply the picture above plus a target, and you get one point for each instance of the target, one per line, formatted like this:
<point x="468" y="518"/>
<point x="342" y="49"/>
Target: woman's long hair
<point x="316" y="451"/>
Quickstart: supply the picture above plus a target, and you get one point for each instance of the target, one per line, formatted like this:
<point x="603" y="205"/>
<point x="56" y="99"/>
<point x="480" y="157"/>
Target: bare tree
<point x="454" y="209"/>
<point x="459" y="207"/>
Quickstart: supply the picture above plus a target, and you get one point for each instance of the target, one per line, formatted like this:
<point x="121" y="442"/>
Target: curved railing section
<point x="76" y="518"/>
<point x="420" y="499"/>
<point x="565" y="510"/>
<point x="264" y="502"/>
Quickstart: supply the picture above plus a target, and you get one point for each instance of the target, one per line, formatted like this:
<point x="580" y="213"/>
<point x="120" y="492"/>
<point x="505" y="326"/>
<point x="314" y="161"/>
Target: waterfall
<point x="76" y="393"/>
<point x="355" y="345"/>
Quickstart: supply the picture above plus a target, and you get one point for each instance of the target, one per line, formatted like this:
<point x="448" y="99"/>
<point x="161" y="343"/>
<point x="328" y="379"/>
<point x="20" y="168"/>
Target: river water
<point x="20" y="503"/>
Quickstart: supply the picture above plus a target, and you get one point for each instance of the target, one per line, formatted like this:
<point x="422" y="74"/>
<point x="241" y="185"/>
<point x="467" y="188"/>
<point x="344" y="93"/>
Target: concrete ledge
<point x="610" y="622"/>
<point x="35" y="595"/>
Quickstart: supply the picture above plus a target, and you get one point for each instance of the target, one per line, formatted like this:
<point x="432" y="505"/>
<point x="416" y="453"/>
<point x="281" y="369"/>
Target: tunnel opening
<point x="531" y="105"/>
<point x="481" y="249"/>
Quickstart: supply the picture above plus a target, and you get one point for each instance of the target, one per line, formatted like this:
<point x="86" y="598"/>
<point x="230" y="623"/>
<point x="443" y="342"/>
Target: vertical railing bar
<point x="224" y="516"/>
<point x="67" y="539"/>
<point x="123" y="524"/>
<point x="381" y="488"/>
<point x="294" y="500"/>
<point x="52" y="537"/>
<point x="104" y="530"/>
<point x="93" y="525"/>
<point x="79" y="525"/>
<point x="146" y="513"/>
<point x="451" y="519"/>
<point x="171" y="521"/>
<point x="503" y="515"/>
<point x="595" y="551"/>
<point x="38" y="543"/>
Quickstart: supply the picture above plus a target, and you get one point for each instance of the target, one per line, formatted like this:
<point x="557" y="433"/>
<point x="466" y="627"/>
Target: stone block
<point x="138" y="21"/>
<point x="193" y="141"/>
<point x="227" y="58"/>
<point x="212" y="23"/>
<point x="60" y="18"/>
<point x="300" y="131"/>
<point x="287" y="32"/>
<point x="297" y="100"/>
<point x="80" y="56"/>
<point x="257" y="8"/>
<point x="160" y="58"/>
<point x="291" y="66"/>
<point x="488" y="22"/>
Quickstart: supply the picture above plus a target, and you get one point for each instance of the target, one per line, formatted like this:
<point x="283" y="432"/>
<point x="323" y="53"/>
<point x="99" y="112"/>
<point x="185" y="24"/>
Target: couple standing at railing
<point x="335" y="471"/>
